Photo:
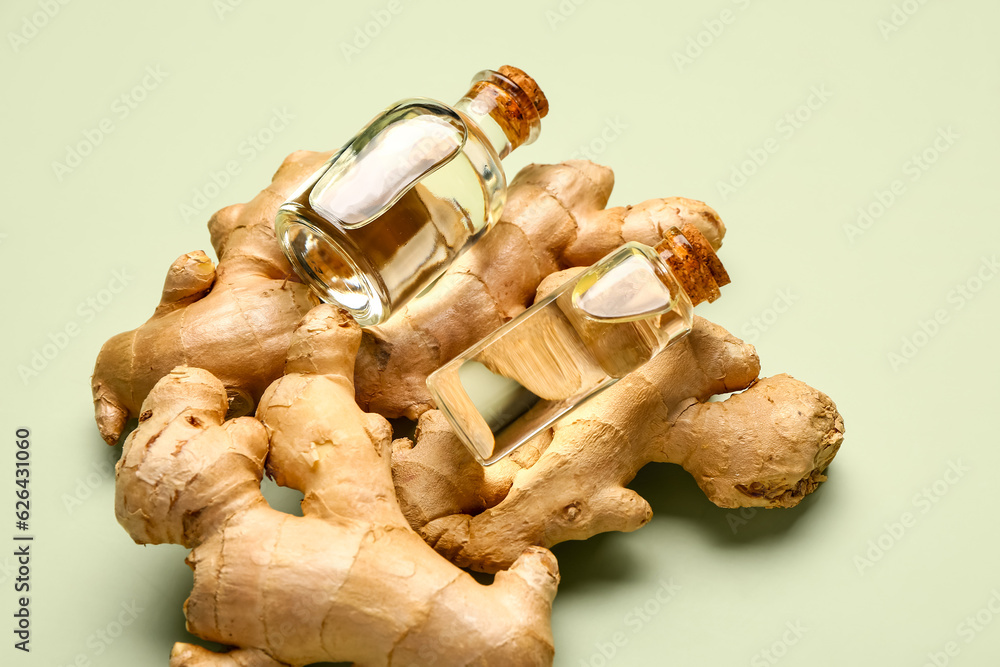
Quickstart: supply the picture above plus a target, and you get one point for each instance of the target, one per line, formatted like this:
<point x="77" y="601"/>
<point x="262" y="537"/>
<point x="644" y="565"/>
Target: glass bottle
<point x="576" y="342"/>
<point x="387" y="214"/>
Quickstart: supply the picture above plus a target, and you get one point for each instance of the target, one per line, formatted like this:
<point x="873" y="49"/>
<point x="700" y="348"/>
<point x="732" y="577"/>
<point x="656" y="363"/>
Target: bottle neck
<point x="693" y="262"/>
<point x="507" y="106"/>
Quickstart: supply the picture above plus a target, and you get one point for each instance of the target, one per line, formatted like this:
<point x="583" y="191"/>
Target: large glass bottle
<point x="387" y="214"/>
<point x="576" y="342"/>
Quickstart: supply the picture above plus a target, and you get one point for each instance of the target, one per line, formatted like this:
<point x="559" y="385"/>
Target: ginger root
<point x="765" y="447"/>
<point x="554" y="219"/>
<point x="349" y="580"/>
<point x="234" y="320"/>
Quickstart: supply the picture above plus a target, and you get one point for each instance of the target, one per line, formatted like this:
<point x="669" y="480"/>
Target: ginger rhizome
<point x="234" y="319"/>
<point x="554" y="219"/>
<point x="347" y="581"/>
<point x="767" y="446"/>
<point x="351" y="579"/>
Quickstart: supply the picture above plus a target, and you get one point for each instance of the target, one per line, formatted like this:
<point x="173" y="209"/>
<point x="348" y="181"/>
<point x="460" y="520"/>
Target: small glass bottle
<point x="387" y="214"/>
<point x="576" y="342"/>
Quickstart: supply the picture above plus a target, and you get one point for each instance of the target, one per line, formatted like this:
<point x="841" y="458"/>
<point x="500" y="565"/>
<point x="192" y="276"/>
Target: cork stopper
<point x="529" y="86"/>
<point x="514" y="102"/>
<point x="694" y="263"/>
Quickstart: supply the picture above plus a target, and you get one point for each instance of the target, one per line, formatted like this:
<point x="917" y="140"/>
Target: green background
<point x="618" y="90"/>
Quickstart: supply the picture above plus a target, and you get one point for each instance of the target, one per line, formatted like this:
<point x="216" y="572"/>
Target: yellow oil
<point x="567" y="348"/>
<point x="374" y="268"/>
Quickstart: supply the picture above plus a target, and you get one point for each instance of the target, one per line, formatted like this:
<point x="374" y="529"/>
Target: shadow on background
<point x="673" y="494"/>
<point x="671" y="491"/>
<point x="597" y="560"/>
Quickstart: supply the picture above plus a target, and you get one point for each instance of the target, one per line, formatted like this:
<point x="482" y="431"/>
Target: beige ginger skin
<point x="767" y="446"/>
<point x="235" y="319"/>
<point x="349" y="580"/>
<point x="555" y="218"/>
<point x="352" y="579"/>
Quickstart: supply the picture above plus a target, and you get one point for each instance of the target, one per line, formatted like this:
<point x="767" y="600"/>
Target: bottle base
<point x="326" y="264"/>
